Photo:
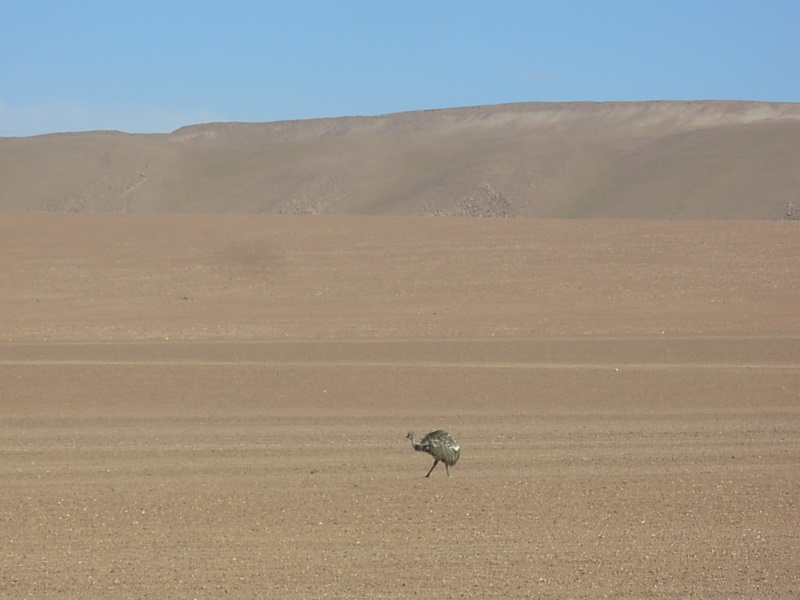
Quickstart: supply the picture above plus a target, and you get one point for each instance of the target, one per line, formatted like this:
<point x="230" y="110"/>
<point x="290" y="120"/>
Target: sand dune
<point x="686" y="160"/>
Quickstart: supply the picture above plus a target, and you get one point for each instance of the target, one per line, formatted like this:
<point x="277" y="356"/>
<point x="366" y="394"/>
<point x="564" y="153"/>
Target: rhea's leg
<point x="435" y="462"/>
<point x="447" y="468"/>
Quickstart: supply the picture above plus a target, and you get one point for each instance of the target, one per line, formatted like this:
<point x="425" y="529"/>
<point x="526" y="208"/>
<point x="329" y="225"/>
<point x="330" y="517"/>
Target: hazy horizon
<point x="155" y="67"/>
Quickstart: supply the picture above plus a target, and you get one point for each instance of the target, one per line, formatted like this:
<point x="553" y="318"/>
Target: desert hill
<point x="651" y="160"/>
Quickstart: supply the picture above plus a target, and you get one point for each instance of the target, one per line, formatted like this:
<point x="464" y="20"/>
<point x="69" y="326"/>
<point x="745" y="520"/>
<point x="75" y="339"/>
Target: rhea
<point x="442" y="446"/>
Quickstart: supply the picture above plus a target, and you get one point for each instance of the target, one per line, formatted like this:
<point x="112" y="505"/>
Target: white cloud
<point x="66" y="115"/>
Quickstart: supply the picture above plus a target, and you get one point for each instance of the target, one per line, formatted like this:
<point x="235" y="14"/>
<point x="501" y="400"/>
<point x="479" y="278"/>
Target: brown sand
<point x="201" y="407"/>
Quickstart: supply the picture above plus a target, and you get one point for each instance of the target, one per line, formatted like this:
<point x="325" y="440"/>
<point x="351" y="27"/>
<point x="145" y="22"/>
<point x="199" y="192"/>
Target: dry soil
<point x="208" y="407"/>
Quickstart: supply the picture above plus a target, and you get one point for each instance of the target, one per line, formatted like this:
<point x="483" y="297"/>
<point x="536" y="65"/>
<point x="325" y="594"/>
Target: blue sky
<point x="154" y="66"/>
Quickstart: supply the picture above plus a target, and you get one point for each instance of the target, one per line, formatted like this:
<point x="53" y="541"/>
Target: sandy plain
<point x="215" y="406"/>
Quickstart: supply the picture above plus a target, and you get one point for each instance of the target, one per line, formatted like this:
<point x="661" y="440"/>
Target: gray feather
<point x="442" y="446"/>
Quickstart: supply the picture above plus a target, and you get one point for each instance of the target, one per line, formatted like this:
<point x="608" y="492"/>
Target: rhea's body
<point x="442" y="446"/>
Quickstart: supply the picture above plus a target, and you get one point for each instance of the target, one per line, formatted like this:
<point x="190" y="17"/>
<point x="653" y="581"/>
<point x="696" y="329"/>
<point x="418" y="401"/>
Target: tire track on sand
<point x="399" y="364"/>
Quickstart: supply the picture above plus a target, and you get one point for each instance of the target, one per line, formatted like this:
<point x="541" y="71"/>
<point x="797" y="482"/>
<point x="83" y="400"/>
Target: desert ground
<point x="208" y="406"/>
